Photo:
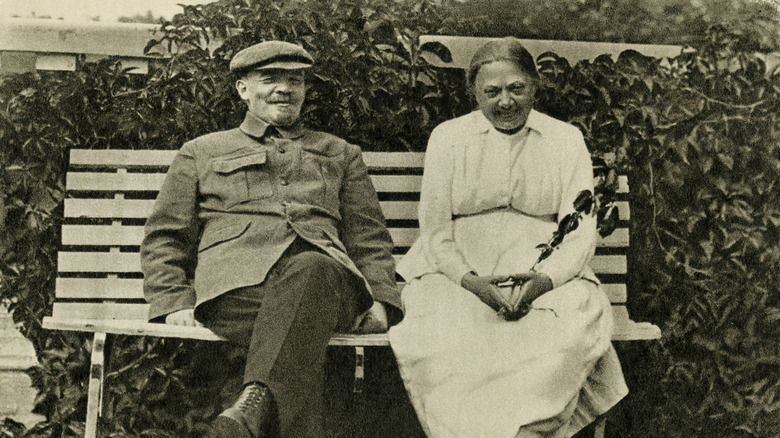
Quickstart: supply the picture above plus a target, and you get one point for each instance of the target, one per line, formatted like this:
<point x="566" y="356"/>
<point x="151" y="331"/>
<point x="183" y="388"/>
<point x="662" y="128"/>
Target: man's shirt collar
<point x="256" y="127"/>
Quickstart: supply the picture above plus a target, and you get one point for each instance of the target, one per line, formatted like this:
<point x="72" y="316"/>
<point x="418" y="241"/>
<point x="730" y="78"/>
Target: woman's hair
<point x="506" y="49"/>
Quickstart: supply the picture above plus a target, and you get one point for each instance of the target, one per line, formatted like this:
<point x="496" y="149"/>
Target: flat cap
<point x="271" y="54"/>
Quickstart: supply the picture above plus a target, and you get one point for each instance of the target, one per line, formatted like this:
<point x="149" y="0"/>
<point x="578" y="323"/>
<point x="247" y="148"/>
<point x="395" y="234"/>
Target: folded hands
<point x="509" y="295"/>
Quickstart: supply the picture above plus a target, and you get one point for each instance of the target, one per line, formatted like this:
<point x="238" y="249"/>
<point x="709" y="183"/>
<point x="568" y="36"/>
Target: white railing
<point x="27" y="44"/>
<point x="463" y="48"/>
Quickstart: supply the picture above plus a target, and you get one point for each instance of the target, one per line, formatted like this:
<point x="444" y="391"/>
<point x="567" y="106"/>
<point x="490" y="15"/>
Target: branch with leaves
<point x="584" y="204"/>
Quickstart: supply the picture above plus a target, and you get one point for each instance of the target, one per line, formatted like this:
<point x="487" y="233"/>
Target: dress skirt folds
<point x="471" y="374"/>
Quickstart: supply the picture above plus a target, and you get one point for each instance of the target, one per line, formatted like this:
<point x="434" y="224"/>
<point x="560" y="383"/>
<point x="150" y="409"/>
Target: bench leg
<point x="360" y="370"/>
<point x="601" y="425"/>
<point x="95" y="393"/>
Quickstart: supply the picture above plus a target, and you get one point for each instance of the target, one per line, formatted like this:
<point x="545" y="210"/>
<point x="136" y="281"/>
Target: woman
<point x="495" y="181"/>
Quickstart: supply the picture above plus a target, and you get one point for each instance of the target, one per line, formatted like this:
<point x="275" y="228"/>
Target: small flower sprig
<point x="583" y="205"/>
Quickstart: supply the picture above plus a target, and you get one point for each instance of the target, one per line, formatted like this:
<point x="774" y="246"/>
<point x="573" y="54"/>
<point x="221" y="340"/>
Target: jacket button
<point x="283" y="181"/>
<point x="282" y="150"/>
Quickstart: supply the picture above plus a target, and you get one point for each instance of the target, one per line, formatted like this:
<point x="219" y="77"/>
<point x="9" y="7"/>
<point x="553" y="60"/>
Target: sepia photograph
<point x="389" y="219"/>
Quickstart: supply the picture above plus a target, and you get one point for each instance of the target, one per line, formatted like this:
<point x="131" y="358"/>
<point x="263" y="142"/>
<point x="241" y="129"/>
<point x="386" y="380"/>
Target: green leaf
<point x="705" y="163"/>
<point x="726" y="161"/>
<point x="772" y="315"/>
<point x="438" y="49"/>
<point x="584" y="202"/>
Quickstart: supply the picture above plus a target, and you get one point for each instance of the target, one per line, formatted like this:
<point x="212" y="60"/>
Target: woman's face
<point x="504" y="93"/>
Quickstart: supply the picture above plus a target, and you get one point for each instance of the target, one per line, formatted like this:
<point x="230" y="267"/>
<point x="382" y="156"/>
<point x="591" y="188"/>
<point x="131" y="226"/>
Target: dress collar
<point x="535" y="121"/>
<point x="256" y="127"/>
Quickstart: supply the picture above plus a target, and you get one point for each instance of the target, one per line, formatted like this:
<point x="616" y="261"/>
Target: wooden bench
<point x="111" y="192"/>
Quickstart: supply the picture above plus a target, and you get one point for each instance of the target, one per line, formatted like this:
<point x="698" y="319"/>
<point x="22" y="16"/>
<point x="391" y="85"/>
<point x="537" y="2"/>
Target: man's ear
<point x="241" y="88"/>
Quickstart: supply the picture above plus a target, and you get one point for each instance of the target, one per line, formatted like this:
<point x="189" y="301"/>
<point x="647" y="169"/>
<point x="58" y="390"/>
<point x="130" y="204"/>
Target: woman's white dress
<point x="487" y="200"/>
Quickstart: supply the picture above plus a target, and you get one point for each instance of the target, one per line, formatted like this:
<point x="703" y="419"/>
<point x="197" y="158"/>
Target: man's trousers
<point x="286" y="323"/>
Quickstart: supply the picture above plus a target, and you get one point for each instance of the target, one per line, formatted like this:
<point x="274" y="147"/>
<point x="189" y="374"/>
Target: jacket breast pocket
<point x="239" y="178"/>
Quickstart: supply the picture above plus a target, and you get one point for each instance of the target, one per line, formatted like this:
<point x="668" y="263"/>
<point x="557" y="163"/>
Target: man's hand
<point x="185" y="317"/>
<point x="373" y="321"/>
<point x="530" y="286"/>
<point x="484" y="287"/>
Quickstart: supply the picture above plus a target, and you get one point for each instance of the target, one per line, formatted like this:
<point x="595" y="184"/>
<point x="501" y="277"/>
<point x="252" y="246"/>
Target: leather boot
<point x="253" y="415"/>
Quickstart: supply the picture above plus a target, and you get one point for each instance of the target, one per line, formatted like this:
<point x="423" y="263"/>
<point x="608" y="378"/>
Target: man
<point x="271" y="236"/>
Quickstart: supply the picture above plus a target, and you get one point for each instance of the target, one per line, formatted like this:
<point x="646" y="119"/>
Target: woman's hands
<point x="526" y="287"/>
<point x="484" y="287"/>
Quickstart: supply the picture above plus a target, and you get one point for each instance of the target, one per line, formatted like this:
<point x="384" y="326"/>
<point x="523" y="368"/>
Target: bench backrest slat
<point x="89" y="158"/>
<point x="131" y="288"/>
<point x="151" y="182"/>
<point x="104" y="310"/>
<point x="129" y="262"/>
<point x="129" y="235"/>
<point x="110" y="193"/>
<point x="141" y="208"/>
<point x="131" y="159"/>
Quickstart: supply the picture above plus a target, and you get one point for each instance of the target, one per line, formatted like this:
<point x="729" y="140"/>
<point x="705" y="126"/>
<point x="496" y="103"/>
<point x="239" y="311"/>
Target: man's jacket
<point x="233" y="201"/>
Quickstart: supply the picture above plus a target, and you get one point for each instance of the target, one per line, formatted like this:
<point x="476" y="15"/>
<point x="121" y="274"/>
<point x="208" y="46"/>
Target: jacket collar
<point x="254" y="126"/>
<point x="535" y="121"/>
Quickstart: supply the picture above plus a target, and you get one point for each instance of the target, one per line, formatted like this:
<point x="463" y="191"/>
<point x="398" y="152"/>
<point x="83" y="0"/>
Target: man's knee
<point x="320" y="283"/>
<point x="317" y="267"/>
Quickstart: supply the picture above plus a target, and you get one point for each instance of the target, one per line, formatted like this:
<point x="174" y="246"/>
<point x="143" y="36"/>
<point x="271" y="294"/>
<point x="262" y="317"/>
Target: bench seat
<point x="625" y="330"/>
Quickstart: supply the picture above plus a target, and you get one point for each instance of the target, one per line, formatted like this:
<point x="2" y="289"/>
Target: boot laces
<point x="252" y="397"/>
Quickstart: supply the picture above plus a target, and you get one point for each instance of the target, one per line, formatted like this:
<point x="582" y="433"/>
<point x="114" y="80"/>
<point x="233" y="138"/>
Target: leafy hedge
<point x="698" y="135"/>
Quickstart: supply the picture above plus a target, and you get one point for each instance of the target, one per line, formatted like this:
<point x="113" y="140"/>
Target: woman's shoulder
<point x="550" y="126"/>
<point x="459" y="125"/>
